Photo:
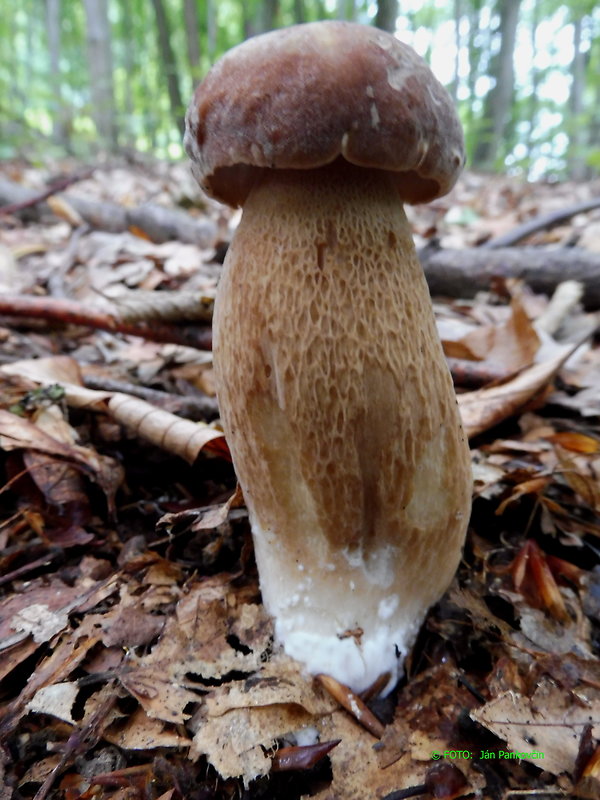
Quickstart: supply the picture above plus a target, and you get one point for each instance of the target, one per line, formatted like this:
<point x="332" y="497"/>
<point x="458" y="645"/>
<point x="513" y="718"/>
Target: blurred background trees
<point x="83" y="76"/>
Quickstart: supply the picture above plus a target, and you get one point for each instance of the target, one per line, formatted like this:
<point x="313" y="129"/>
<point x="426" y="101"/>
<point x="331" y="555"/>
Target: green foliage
<point x="461" y="39"/>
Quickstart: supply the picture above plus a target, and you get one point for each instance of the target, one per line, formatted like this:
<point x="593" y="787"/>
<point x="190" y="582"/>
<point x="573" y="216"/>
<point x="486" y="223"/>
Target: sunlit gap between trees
<point x="109" y="76"/>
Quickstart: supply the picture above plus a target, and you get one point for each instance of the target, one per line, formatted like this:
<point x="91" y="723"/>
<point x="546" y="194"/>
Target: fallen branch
<point x="69" y="312"/>
<point x="463" y="273"/>
<point x="540" y="223"/>
<point x="157" y="223"/>
<point x="468" y="374"/>
<point x="54" y="188"/>
<point x="455" y="273"/>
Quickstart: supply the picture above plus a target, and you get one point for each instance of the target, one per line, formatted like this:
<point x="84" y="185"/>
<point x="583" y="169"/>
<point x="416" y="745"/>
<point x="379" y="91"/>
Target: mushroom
<point x="334" y="393"/>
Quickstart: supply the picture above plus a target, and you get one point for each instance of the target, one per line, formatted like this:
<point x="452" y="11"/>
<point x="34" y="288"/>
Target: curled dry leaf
<point x="60" y="206"/>
<point x="507" y="347"/>
<point x="291" y="758"/>
<point x="565" y="569"/>
<point x="163" y="429"/>
<point x="533" y="576"/>
<point x="592" y="768"/>
<point x="484" y="408"/>
<point x="587" y="747"/>
<point x="352" y="703"/>
<point x="533" y="486"/>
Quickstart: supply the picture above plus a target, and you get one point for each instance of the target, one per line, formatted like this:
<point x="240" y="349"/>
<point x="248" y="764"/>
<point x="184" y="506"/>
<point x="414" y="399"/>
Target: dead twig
<point x="54" y="188"/>
<point x="205" y="408"/>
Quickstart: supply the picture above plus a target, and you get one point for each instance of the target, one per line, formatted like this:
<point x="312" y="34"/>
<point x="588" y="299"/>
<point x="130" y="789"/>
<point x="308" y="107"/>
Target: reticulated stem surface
<point x="341" y="418"/>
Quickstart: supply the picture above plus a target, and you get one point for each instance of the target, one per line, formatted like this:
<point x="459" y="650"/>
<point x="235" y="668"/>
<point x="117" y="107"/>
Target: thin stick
<point x="54" y="188"/>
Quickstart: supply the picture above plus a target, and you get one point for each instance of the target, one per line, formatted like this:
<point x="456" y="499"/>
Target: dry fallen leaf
<point x="508" y="347"/>
<point x="141" y="732"/>
<point x="484" y="408"/>
<point x="549" y="722"/>
<point x="188" y="653"/>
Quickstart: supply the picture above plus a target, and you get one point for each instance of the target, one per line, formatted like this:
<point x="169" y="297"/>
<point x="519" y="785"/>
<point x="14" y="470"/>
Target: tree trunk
<point x="498" y="101"/>
<point x="576" y="162"/>
<point x="128" y="125"/>
<point x="458" y="13"/>
<point x="533" y="103"/>
<point x="100" y="64"/>
<point x="299" y="11"/>
<point x="594" y="127"/>
<point x="60" y="128"/>
<point x="477" y="46"/>
<point x="346" y="10"/>
<point x="387" y="14"/>
<point x="192" y="37"/>
<point x="211" y="30"/>
<point x="267" y="15"/>
<point x="169" y="64"/>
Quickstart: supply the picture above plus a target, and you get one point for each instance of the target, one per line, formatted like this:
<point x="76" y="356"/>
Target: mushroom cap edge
<point x="302" y="97"/>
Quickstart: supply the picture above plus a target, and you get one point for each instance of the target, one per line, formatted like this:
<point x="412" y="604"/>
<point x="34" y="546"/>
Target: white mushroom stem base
<point x="341" y="418"/>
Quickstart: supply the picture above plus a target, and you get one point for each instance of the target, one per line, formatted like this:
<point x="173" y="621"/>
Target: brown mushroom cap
<point x="301" y="97"/>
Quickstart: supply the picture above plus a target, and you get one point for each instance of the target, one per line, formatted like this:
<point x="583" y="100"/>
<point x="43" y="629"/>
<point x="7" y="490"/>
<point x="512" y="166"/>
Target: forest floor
<point x="136" y="660"/>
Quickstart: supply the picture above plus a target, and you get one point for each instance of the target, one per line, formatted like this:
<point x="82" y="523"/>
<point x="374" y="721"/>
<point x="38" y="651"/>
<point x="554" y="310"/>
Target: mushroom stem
<point x="341" y="418"/>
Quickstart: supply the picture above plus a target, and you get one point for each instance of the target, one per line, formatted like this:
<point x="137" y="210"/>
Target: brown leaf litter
<point x="136" y="659"/>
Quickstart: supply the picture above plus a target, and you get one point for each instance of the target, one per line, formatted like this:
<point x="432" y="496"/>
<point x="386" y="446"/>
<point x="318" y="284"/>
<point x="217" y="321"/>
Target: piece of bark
<point x="158" y="223"/>
<point x="139" y="305"/>
<point x="463" y="273"/>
